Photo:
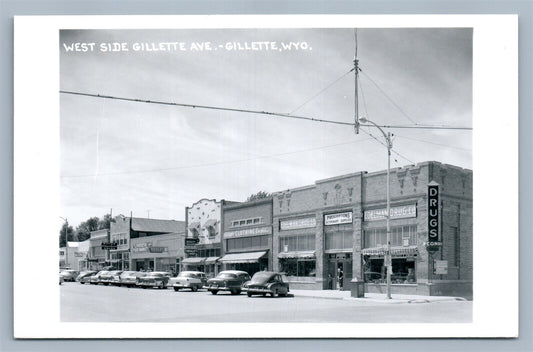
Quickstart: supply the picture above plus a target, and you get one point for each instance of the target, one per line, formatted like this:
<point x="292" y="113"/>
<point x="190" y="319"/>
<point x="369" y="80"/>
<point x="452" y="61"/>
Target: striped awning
<point x="409" y="250"/>
<point x="247" y="257"/>
<point x="194" y="260"/>
<point x="300" y="254"/>
<point x="211" y="260"/>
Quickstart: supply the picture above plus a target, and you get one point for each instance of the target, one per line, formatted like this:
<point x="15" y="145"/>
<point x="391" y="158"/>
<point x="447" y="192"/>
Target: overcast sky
<point x="155" y="160"/>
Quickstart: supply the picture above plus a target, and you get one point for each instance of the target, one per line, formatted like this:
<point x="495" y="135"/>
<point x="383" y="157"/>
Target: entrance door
<point x="336" y="266"/>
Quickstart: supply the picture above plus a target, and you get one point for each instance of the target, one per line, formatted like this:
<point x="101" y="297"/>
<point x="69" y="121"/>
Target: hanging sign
<point x="433" y="244"/>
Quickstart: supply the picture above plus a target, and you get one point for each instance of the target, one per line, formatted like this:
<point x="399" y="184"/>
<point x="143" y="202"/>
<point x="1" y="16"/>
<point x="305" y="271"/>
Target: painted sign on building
<point x="266" y="230"/>
<point x="339" y="218"/>
<point x="293" y="224"/>
<point x="405" y="211"/>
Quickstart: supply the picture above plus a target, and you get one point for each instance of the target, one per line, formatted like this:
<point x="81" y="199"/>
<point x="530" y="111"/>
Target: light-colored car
<point x="69" y="275"/>
<point x="111" y="277"/>
<point x="85" y="276"/>
<point x="228" y="280"/>
<point x="95" y="279"/>
<point x="129" y="278"/>
<point x="157" y="279"/>
<point x="188" y="279"/>
<point x="264" y="282"/>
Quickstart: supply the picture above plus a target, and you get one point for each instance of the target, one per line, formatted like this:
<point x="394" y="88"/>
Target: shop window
<point x="403" y="271"/>
<point x="246" y="243"/>
<point x="298" y="267"/>
<point x="339" y="240"/>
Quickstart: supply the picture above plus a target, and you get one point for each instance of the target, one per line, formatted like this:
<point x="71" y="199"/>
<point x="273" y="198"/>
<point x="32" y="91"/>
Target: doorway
<point x="339" y="271"/>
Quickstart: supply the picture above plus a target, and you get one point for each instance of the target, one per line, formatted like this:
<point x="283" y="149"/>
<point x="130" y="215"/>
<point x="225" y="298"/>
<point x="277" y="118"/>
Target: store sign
<point x="79" y="254"/>
<point x="339" y="218"/>
<point x="406" y="211"/>
<point x="190" y="252"/>
<point x="266" y="230"/>
<point x="157" y="249"/>
<point x="191" y="241"/>
<point x="293" y="224"/>
<point x="433" y="243"/>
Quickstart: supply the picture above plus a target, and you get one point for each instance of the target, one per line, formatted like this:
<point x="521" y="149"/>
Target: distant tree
<point x="70" y="234"/>
<point x="83" y="231"/>
<point x="104" y="223"/>
<point x="259" y="195"/>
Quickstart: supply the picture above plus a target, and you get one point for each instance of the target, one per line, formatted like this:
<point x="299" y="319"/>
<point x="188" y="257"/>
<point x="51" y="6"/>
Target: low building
<point x="333" y="233"/>
<point x="247" y="236"/>
<point x="157" y="253"/>
<point x="68" y="256"/>
<point x="97" y="257"/>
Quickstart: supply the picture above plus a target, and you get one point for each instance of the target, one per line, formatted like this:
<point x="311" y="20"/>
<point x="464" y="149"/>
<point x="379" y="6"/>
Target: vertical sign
<point x="433" y="244"/>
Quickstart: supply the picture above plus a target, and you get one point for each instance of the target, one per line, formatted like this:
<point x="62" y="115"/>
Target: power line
<point x="209" y="107"/>
<point x="383" y="144"/>
<point x="320" y="92"/>
<point x="439" y="144"/>
<point x="212" y="164"/>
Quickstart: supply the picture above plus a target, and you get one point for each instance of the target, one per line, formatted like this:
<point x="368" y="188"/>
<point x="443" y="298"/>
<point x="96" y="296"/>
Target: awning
<point x="248" y="257"/>
<point x="210" y="222"/>
<point x="301" y="254"/>
<point x="211" y="260"/>
<point x="194" y="260"/>
<point x="194" y="225"/>
<point x="409" y="250"/>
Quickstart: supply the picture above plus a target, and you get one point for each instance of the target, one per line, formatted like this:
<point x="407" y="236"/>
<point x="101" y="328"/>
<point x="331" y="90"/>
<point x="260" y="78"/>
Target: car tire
<point x="194" y="288"/>
<point x="161" y="285"/>
<point x="176" y="289"/>
<point x="214" y="292"/>
<point x="249" y="294"/>
<point x="274" y="293"/>
<point x="81" y="282"/>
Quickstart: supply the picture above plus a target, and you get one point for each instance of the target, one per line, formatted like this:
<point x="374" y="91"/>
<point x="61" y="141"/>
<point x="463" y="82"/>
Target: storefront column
<point x="321" y="258"/>
<point x="358" y="241"/>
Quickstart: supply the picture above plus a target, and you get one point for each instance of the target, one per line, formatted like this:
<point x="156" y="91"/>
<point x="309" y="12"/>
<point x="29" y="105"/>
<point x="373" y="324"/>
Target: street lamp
<point x="388" y="260"/>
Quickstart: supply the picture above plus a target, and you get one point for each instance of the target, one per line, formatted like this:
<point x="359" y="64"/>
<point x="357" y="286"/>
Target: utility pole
<point x="356" y="100"/>
<point x="66" y="241"/>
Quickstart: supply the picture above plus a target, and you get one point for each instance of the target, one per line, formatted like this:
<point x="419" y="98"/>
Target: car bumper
<point x="257" y="290"/>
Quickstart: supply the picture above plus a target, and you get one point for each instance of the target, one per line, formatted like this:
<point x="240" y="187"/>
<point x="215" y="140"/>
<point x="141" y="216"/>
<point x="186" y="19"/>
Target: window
<point x="297" y="243"/>
<point x="298" y="267"/>
<point x="339" y="237"/>
<point x="403" y="271"/>
<point x="211" y="230"/>
<point x="400" y="236"/>
<point x="247" y="222"/>
<point x="245" y="243"/>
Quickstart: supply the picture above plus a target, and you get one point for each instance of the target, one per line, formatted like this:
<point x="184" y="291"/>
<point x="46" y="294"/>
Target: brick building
<point x="332" y="233"/>
<point x="247" y="236"/>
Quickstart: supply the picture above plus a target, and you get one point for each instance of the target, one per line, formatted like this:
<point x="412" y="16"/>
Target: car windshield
<point x="226" y="276"/>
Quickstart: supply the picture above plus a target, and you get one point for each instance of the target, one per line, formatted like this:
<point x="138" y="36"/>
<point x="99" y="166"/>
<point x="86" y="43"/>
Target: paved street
<point x="89" y="303"/>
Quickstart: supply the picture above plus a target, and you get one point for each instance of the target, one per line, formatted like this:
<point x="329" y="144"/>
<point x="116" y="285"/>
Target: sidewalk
<point x="372" y="297"/>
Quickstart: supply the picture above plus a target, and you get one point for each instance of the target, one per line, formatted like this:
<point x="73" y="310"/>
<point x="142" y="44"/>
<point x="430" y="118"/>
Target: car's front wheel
<point x="176" y="288"/>
<point x="214" y="292"/>
<point x="249" y="294"/>
<point x="274" y="292"/>
<point x="194" y="288"/>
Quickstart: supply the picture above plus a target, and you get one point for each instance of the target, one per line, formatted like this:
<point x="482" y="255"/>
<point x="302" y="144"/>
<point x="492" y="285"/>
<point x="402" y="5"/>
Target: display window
<point x="403" y="271"/>
<point x="298" y="267"/>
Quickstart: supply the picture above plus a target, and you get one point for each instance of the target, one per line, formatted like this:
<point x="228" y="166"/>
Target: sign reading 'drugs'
<point x="406" y="211"/>
<point x="339" y="218"/>
<point x="302" y="223"/>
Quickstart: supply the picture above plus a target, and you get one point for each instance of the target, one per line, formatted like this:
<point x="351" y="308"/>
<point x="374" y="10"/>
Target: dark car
<point x="264" y="282"/>
<point x="228" y="280"/>
<point x="85" y="276"/>
<point x="157" y="279"/>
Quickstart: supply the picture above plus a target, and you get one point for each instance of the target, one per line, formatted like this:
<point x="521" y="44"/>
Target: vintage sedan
<point x="129" y="278"/>
<point x="188" y="279"/>
<point x="264" y="282"/>
<point x="111" y="277"/>
<point x="228" y="280"/>
<point x="69" y="275"/>
<point x="95" y="279"/>
<point x="157" y="279"/>
<point x="85" y="276"/>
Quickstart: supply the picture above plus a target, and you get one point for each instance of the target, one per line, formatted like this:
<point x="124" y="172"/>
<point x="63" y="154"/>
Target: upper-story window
<point x="247" y="222"/>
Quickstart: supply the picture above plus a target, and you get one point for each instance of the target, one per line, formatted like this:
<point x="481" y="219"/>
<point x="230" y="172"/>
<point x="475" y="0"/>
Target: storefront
<point x="157" y="253"/>
<point x="247" y="237"/>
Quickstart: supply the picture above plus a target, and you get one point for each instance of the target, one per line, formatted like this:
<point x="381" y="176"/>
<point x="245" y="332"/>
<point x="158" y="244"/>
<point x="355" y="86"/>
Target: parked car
<point x="85" y="276"/>
<point x="60" y="279"/>
<point x="69" y="275"/>
<point x="95" y="279"/>
<point x="157" y="279"/>
<point x="228" y="280"/>
<point x="111" y="277"/>
<point x="188" y="279"/>
<point x="264" y="282"/>
<point x="129" y="278"/>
